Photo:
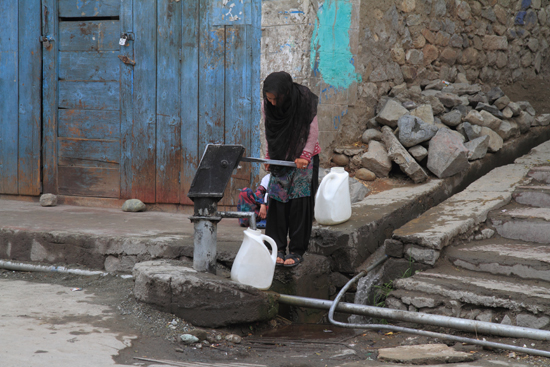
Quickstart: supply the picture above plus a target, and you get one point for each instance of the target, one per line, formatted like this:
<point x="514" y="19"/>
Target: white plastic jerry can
<point x="254" y="265"/>
<point x="333" y="201"/>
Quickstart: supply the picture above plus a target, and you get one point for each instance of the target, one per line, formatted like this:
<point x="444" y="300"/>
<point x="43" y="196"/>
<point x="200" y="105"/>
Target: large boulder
<point x="447" y="155"/>
<point x="413" y="131"/>
<point x="204" y="299"/>
<point x="376" y="159"/>
<point x="390" y="113"/>
<point x="399" y="155"/>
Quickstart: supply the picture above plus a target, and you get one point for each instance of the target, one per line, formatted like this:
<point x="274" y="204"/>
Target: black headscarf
<point x="287" y="124"/>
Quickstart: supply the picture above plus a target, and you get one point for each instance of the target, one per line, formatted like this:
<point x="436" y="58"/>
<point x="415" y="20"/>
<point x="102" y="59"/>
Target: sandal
<point x="295" y="257"/>
<point x="282" y="256"/>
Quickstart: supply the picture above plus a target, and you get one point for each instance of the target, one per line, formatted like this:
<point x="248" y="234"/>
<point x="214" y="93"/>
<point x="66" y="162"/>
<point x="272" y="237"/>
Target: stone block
<point x="532" y="321"/>
<point x="204" y="299"/>
<point x="447" y="155"/>
<point x="413" y="131"/>
<point x="452" y="119"/>
<point x="449" y="100"/>
<point x="390" y="113"/>
<point x="495" y="141"/>
<point x="371" y="134"/>
<point x="424" y="354"/>
<point x="376" y="159"/>
<point x="524" y="121"/>
<point x="493" y="43"/>
<point x="542" y="120"/>
<point x="399" y="155"/>
<point x="424" y="112"/>
<point x="394" y="248"/>
<point x="477" y="148"/>
<point x="418" y="152"/>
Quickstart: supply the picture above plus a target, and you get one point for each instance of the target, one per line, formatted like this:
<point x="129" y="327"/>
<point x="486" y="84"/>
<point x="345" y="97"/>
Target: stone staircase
<point x="500" y="273"/>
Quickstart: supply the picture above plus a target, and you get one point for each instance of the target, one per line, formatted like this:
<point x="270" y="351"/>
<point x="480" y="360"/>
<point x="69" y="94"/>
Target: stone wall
<point x="352" y="52"/>
<point x="490" y="41"/>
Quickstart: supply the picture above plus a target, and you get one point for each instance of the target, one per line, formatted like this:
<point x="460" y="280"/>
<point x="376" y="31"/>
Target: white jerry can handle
<point x="273" y="247"/>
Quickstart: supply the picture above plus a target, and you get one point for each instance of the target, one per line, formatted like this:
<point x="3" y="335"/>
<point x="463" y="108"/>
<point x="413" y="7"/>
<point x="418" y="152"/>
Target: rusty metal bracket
<point x="128" y="61"/>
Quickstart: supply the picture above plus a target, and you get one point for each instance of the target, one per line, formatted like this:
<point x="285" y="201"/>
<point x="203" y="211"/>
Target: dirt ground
<point x="535" y="92"/>
<point x="275" y="343"/>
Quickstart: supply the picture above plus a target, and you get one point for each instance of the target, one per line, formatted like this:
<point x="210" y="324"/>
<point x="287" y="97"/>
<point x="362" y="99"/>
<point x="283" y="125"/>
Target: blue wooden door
<point x="20" y="118"/>
<point x="82" y="97"/>
<point x="132" y="121"/>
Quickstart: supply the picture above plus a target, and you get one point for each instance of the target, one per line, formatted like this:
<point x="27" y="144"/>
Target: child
<point x="254" y="202"/>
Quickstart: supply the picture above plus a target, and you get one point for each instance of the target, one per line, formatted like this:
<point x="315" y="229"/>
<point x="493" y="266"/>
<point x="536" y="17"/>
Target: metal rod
<point x="274" y="162"/>
<point x="44" y="268"/>
<point x="250" y="215"/>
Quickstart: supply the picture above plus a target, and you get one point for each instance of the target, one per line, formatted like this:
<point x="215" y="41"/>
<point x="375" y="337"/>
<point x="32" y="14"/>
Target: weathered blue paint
<point x="145" y="81"/>
<point x="9" y="83"/>
<point x="189" y="92"/>
<point x="330" y="44"/>
<point x="115" y="130"/>
<point x="30" y="84"/>
<point x="169" y="31"/>
<point x="89" y="8"/>
<point x="126" y="101"/>
<point x="49" y="97"/>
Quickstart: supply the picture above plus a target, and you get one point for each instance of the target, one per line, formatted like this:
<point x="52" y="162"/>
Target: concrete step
<point x="503" y="256"/>
<point x="522" y="223"/>
<point x="536" y="196"/>
<point x="541" y="174"/>
<point x="463" y="293"/>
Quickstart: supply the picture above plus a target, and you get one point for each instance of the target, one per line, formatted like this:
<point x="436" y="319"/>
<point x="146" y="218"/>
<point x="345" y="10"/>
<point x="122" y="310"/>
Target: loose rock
<point x="399" y="155"/>
<point x="447" y="155"/>
<point x="189" y="339"/>
<point x="477" y="148"/>
<point x="48" y="200"/>
<point x="341" y="160"/>
<point x="371" y="134"/>
<point x="413" y="131"/>
<point x="495" y="141"/>
<point x="365" y="175"/>
<point x="391" y="112"/>
<point x="376" y="159"/>
<point x="543" y="120"/>
<point x="452" y="119"/>
<point x="133" y="205"/>
<point x="418" y="152"/>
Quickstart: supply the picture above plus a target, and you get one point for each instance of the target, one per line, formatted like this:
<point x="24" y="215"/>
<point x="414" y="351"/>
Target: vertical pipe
<point x="205" y="246"/>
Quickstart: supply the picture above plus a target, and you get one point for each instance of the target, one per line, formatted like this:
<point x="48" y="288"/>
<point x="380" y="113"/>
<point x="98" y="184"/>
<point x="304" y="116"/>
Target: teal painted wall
<point x="330" y="44"/>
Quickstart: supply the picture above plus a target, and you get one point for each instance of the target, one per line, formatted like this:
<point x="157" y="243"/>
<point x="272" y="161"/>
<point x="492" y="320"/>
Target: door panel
<point x="89" y="181"/>
<point x="89" y="95"/>
<point x="89" y="124"/>
<point x="89" y="35"/>
<point x="89" y="98"/>
<point x="96" y="66"/>
<point x="88" y="8"/>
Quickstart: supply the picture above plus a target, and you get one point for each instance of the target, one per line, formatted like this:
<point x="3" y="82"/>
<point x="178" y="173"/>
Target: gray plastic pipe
<point x="421" y="318"/>
<point x="49" y="269"/>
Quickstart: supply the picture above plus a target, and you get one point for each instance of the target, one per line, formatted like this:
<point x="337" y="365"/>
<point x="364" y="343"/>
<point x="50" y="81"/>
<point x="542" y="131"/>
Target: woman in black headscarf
<point x="290" y="112"/>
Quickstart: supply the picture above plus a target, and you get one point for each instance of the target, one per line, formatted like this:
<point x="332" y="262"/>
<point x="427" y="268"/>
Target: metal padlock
<point x="123" y="39"/>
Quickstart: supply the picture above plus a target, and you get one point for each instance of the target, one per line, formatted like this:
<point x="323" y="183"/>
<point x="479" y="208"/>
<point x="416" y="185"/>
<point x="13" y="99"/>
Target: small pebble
<point x="232" y="338"/>
<point x="188" y="338"/>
